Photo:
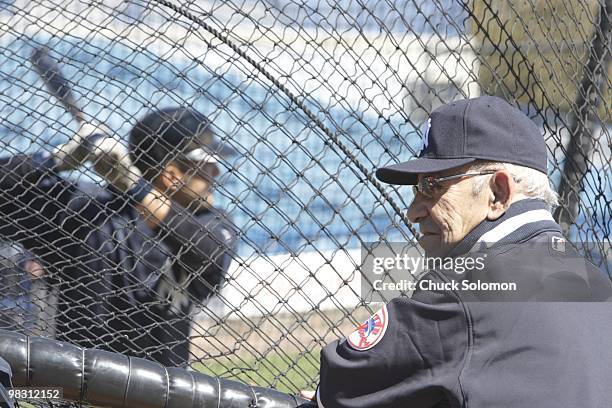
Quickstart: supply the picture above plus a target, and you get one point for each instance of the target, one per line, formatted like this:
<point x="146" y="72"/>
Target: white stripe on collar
<point x="510" y="225"/>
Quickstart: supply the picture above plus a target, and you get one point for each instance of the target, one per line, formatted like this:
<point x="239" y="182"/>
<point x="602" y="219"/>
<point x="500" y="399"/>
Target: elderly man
<point x="481" y="192"/>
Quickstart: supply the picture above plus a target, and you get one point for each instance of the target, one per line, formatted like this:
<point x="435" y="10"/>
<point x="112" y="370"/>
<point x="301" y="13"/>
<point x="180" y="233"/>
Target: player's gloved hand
<point x="112" y="162"/>
<point x="77" y="150"/>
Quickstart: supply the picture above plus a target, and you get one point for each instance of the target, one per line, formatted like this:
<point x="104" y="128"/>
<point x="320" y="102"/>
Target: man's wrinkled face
<point x="450" y="214"/>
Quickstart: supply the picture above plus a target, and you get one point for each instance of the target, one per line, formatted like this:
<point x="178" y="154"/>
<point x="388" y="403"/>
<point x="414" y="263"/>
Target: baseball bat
<point x="58" y="85"/>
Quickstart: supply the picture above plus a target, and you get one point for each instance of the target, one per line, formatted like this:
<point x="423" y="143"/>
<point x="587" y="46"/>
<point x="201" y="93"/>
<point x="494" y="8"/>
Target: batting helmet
<point x="174" y="134"/>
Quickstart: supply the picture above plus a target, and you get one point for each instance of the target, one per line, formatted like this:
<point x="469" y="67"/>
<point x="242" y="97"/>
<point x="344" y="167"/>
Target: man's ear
<point x="170" y="177"/>
<point x="502" y="190"/>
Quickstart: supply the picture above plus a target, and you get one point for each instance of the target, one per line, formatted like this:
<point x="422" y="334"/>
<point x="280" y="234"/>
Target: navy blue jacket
<point x="122" y="286"/>
<point x="545" y="344"/>
<point x="6" y="375"/>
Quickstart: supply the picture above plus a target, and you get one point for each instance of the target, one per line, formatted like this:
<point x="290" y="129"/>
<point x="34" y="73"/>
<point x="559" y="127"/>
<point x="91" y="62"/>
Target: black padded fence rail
<point x="107" y="379"/>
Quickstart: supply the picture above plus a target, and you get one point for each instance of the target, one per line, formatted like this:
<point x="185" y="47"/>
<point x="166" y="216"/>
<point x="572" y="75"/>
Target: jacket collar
<point x="522" y="220"/>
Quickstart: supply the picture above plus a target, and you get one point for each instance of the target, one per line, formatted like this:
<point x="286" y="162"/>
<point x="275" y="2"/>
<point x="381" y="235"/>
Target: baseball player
<point x="133" y="258"/>
<point x="482" y="192"/>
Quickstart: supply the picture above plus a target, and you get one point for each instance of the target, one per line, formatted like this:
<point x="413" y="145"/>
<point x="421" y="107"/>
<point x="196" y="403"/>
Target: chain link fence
<point x="311" y="97"/>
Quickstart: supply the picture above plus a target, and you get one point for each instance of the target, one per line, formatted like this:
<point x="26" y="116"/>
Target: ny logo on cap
<point x="426" y="134"/>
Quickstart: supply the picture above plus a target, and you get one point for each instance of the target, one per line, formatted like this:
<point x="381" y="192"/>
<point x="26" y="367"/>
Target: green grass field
<point x="288" y="372"/>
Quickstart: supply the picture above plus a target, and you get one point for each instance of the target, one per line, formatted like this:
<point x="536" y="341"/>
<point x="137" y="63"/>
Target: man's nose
<point x="417" y="211"/>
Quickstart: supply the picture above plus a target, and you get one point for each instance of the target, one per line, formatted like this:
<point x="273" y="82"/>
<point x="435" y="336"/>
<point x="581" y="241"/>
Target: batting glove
<point x="77" y="150"/>
<point x="112" y="162"/>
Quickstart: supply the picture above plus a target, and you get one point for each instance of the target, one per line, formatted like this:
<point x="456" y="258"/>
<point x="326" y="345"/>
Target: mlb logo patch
<point x="371" y="332"/>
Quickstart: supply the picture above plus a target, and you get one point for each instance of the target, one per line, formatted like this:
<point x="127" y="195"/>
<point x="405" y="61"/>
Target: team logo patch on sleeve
<point x="370" y="332"/>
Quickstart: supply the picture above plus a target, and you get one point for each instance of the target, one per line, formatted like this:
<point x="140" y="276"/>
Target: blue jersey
<point x="122" y="286"/>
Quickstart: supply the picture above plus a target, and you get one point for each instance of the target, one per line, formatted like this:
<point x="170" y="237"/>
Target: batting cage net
<point x="192" y="182"/>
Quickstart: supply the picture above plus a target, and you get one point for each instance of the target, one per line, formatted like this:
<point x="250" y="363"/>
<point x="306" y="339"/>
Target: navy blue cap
<point x="461" y="132"/>
<point x="170" y="133"/>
